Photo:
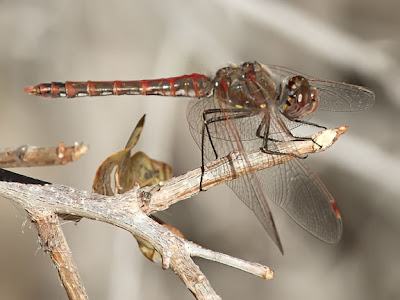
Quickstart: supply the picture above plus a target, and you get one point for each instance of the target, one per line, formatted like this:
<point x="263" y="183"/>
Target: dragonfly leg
<point x="221" y="115"/>
<point x="265" y="150"/>
<point x="261" y="136"/>
<point x="206" y="122"/>
<point x="266" y="123"/>
<point x="310" y="123"/>
<point x="297" y="138"/>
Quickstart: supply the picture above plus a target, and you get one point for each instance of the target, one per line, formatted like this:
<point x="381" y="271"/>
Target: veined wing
<point x="293" y="186"/>
<point x="226" y="137"/>
<point x="303" y="196"/>
<point x="301" y="193"/>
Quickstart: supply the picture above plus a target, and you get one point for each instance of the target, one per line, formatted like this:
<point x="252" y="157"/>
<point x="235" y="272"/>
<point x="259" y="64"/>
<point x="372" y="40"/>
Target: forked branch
<point x="130" y="210"/>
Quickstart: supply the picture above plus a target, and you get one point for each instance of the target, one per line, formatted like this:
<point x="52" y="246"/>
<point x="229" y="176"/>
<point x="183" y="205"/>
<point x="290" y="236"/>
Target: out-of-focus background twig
<point x="352" y="41"/>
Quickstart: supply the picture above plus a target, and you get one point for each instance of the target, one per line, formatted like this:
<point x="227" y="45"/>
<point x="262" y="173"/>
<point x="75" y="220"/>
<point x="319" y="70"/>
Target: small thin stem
<point x="246" y="266"/>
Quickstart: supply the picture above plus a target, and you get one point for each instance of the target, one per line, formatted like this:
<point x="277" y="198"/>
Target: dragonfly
<point x="247" y="107"/>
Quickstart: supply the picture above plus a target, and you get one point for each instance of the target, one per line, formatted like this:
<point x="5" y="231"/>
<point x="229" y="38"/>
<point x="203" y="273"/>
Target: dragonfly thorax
<point x="247" y="87"/>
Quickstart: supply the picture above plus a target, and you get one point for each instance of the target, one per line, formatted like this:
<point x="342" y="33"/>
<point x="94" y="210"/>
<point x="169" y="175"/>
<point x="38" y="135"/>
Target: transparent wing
<point x="248" y="189"/>
<point x="300" y="193"/>
<point x="333" y="96"/>
<point x="303" y="196"/>
<point x="292" y="185"/>
<point x="225" y="137"/>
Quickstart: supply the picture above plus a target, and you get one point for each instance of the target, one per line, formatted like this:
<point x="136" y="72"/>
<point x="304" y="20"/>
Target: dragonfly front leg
<point x="310" y="123"/>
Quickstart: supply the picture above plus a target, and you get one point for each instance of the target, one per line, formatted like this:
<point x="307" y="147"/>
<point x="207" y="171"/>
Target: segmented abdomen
<point x="194" y="85"/>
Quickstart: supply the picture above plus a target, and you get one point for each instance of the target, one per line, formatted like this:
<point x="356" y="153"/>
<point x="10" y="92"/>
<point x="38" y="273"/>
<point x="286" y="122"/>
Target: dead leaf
<point x="131" y="169"/>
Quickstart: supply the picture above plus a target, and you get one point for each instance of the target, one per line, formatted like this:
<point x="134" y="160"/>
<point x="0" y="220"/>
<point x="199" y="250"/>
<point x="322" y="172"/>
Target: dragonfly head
<point x="298" y="100"/>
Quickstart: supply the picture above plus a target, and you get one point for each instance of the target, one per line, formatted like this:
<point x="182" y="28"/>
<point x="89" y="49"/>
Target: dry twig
<point x="54" y="243"/>
<point x="52" y="239"/>
<point x="28" y="156"/>
<point x="130" y="210"/>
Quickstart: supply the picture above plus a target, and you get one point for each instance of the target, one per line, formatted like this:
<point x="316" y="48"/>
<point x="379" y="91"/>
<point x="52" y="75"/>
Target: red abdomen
<point x="194" y="85"/>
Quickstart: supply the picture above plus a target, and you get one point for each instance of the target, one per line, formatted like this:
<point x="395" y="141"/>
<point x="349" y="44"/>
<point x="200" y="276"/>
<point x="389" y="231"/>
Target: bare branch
<point x="187" y="185"/>
<point x="129" y="211"/>
<point x="124" y="213"/>
<point x="29" y="156"/>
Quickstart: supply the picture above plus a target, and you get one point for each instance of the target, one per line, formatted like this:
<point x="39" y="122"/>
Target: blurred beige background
<point x="353" y="41"/>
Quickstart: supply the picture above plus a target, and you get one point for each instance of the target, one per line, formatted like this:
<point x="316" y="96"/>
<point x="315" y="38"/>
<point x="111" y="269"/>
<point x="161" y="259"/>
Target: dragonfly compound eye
<point x="300" y="99"/>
